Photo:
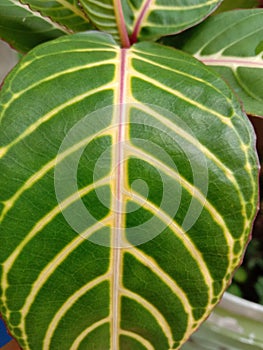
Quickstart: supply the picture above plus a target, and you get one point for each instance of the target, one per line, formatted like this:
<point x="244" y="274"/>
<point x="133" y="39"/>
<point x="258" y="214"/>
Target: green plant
<point x="128" y="169"/>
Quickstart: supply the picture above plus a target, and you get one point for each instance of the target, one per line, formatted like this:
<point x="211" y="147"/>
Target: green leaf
<point x="228" y="5"/>
<point x="128" y="186"/>
<point x="231" y="43"/>
<point x="164" y="17"/>
<point x="130" y="21"/>
<point x="24" y="28"/>
<point x="108" y="16"/>
<point x="64" y="12"/>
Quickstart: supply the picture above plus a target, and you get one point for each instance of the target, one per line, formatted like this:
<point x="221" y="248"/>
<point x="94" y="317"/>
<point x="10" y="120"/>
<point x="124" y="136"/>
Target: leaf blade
<point x="24" y="28"/>
<point x="236" y="56"/>
<point x="67" y="13"/>
<point x="143" y="282"/>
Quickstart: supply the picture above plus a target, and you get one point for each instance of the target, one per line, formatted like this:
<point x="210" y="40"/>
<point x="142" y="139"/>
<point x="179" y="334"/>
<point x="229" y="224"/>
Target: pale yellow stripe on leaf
<point x="159" y="65"/>
<point x="43" y="171"/>
<point x="16" y="95"/>
<point x="150" y="263"/>
<point x="224" y="119"/>
<point x="191" y="189"/>
<point x="203" y="149"/>
<point x="154" y="312"/>
<point x="51" y="267"/>
<point x="52" y="113"/>
<point x="66" y="307"/>
<point x="233" y="62"/>
<point x="7" y="265"/>
<point x="86" y="332"/>
<point x="179" y="233"/>
<point x="58" y="260"/>
<point x="139" y="339"/>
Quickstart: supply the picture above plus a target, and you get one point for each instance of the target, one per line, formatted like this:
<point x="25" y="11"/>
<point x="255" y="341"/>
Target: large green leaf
<point x="65" y="12"/>
<point x="24" y="28"/>
<point x="133" y="20"/>
<point x="232" y="44"/>
<point x="128" y="187"/>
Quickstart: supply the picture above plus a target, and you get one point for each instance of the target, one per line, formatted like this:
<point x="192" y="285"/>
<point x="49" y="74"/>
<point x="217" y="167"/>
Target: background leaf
<point x="159" y="140"/>
<point x="228" y="5"/>
<point x="64" y="12"/>
<point x="131" y="21"/>
<point x="24" y="28"/>
<point x="152" y="19"/>
<point x="232" y="44"/>
<point x="108" y="17"/>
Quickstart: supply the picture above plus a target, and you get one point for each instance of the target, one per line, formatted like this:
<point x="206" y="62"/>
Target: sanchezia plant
<point x="129" y="175"/>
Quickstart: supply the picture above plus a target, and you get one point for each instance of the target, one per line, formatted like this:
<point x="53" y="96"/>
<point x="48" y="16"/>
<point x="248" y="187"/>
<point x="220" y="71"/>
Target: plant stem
<point x="125" y="41"/>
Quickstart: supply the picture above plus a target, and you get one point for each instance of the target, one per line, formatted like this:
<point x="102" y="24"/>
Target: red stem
<point x="138" y="23"/>
<point x="125" y="41"/>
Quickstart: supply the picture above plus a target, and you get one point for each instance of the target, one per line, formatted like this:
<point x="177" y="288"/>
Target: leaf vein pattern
<point x="190" y="188"/>
<point x="7" y="265"/>
<point x="159" y="65"/>
<point x="67" y="305"/>
<point x="43" y="171"/>
<point x="179" y="233"/>
<point x="139" y="338"/>
<point x="50" y="269"/>
<point x="223" y="118"/>
<point x="154" y="311"/>
<point x="51" y="114"/>
<point x="167" y="280"/>
<point x="87" y="331"/>
<point x="17" y="95"/>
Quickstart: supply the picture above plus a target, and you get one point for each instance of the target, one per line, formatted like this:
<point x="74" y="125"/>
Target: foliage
<point x="129" y="172"/>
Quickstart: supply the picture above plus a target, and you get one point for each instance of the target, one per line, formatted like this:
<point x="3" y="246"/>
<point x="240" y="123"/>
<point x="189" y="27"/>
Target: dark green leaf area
<point x="99" y="338"/>
<point x="170" y="254"/>
<point x="95" y="161"/>
<point x="98" y="202"/>
<point x="136" y="319"/>
<point x="129" y="343"/>
<point x="145" y="179"/>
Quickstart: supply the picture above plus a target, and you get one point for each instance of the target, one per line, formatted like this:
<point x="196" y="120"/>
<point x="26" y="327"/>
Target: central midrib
<point x="118" y="200"/>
